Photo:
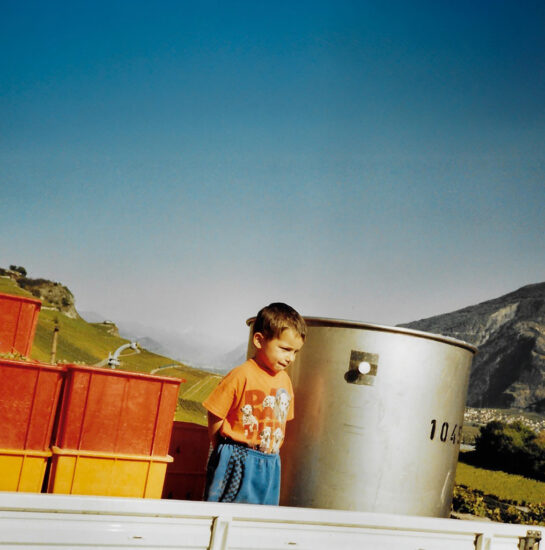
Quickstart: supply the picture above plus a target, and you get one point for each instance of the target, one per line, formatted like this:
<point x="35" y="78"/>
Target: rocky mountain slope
<point x="509" y="369"/>
<point x="52" y="294"/>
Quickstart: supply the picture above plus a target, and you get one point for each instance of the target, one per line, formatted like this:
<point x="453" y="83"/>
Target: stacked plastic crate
<point x="113" y="433"/>
<point x="29" y="395"/>
<point x="18" y="319"/>
<point x="100" y="431"/>
<point x="186" y="476"/>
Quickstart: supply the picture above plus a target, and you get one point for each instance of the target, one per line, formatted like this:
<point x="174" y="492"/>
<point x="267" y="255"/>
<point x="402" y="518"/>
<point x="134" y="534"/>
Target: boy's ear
<point x="258" y="340"/>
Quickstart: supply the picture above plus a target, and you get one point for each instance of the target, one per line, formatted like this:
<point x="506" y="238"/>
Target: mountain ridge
<point x="509" y="331"/>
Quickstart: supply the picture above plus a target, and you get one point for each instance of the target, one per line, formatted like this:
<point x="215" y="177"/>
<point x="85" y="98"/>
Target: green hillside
<point x="505" y="486"/>
<point x="91" y="343"/>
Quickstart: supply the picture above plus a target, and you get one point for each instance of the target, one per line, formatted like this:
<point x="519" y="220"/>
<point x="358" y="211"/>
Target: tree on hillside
<point x="18" y="269"/>
<point x="511" y="447"/>
<point x="494" y="447"/>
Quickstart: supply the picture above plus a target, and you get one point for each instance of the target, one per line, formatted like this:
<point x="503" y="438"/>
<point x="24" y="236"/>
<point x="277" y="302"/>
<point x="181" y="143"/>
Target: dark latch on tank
<point x="362" y="369"/>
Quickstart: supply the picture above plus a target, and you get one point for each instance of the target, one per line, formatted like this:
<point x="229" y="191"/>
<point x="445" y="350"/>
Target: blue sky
<point x="184" y="163"/>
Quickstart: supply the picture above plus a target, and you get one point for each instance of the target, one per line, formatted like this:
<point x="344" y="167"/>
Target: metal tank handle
<point x="362" y="368"/>
<point x="530" y="541"/>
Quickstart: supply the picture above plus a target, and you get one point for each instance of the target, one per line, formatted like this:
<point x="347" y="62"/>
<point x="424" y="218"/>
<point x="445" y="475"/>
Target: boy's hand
<point x="214" y="425"/>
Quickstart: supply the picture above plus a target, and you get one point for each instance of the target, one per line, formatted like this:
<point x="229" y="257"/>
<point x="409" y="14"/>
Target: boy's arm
<point x="214" y="425"/>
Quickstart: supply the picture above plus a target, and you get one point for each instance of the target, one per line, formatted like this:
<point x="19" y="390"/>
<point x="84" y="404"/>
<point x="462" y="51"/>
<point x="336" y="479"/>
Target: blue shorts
<point x="236" y="473"/>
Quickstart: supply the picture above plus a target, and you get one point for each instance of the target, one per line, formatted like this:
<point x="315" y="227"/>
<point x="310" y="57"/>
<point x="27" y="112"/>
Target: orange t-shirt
<point x="255" y="405"/>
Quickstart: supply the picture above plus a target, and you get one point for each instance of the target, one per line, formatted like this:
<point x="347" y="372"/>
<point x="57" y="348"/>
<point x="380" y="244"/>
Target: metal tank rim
<point x="344" y="323"/>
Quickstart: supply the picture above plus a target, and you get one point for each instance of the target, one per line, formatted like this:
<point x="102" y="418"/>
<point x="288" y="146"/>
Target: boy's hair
<point x="276" y="317"/>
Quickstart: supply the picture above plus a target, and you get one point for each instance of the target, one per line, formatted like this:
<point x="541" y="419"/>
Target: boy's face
<point x="277" y="354"/>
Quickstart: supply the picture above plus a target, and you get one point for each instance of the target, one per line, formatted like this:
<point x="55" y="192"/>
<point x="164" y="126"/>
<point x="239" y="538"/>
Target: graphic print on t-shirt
<point x="264" y="418"/>
<point x="249" y="421"/>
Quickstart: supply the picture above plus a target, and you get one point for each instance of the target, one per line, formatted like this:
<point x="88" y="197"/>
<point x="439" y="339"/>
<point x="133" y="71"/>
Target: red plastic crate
<point x="189" y="446"/>
<point x="186" y="475"/>
<point x="117" y="411"/>
<point x="181" y="486"/>
<point x="18" y="319"/>
<point x="29" y="394"/>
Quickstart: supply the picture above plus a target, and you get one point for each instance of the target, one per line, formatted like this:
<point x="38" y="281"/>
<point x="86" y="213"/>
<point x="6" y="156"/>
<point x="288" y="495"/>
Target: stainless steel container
<point x="378" y="419"/>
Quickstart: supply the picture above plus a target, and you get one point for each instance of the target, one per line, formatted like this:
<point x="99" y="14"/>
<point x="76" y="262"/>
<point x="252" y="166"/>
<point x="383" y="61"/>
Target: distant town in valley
<point x="481" y="417"/>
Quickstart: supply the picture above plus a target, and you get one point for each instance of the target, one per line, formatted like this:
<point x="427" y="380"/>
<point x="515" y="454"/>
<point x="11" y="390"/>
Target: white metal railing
<point x="47" y="521"/>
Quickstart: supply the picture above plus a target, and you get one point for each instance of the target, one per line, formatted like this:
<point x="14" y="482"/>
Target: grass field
<point x="504" y="486"/>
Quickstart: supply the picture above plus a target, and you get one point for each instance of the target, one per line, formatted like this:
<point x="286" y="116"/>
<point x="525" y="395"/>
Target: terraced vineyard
<point x="196" y="388"/>
<point x="501" y="484"/>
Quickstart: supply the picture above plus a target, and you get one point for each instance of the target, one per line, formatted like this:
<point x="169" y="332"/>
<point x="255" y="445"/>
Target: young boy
<point x="248" y="410"/>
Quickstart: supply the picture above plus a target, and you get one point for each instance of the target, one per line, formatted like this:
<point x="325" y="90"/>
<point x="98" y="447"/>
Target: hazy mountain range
<point x="189" y="347"/>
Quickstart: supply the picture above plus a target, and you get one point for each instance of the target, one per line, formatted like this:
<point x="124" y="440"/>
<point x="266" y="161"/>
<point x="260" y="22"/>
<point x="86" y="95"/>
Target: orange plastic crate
<point x="186" y="475"/>
<point x="18" y="318"/>
<point x="112" y="411"/>
<point x="29" y="394"/>
<point x="22" y="470"/>
<point x="107" y="474"/>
